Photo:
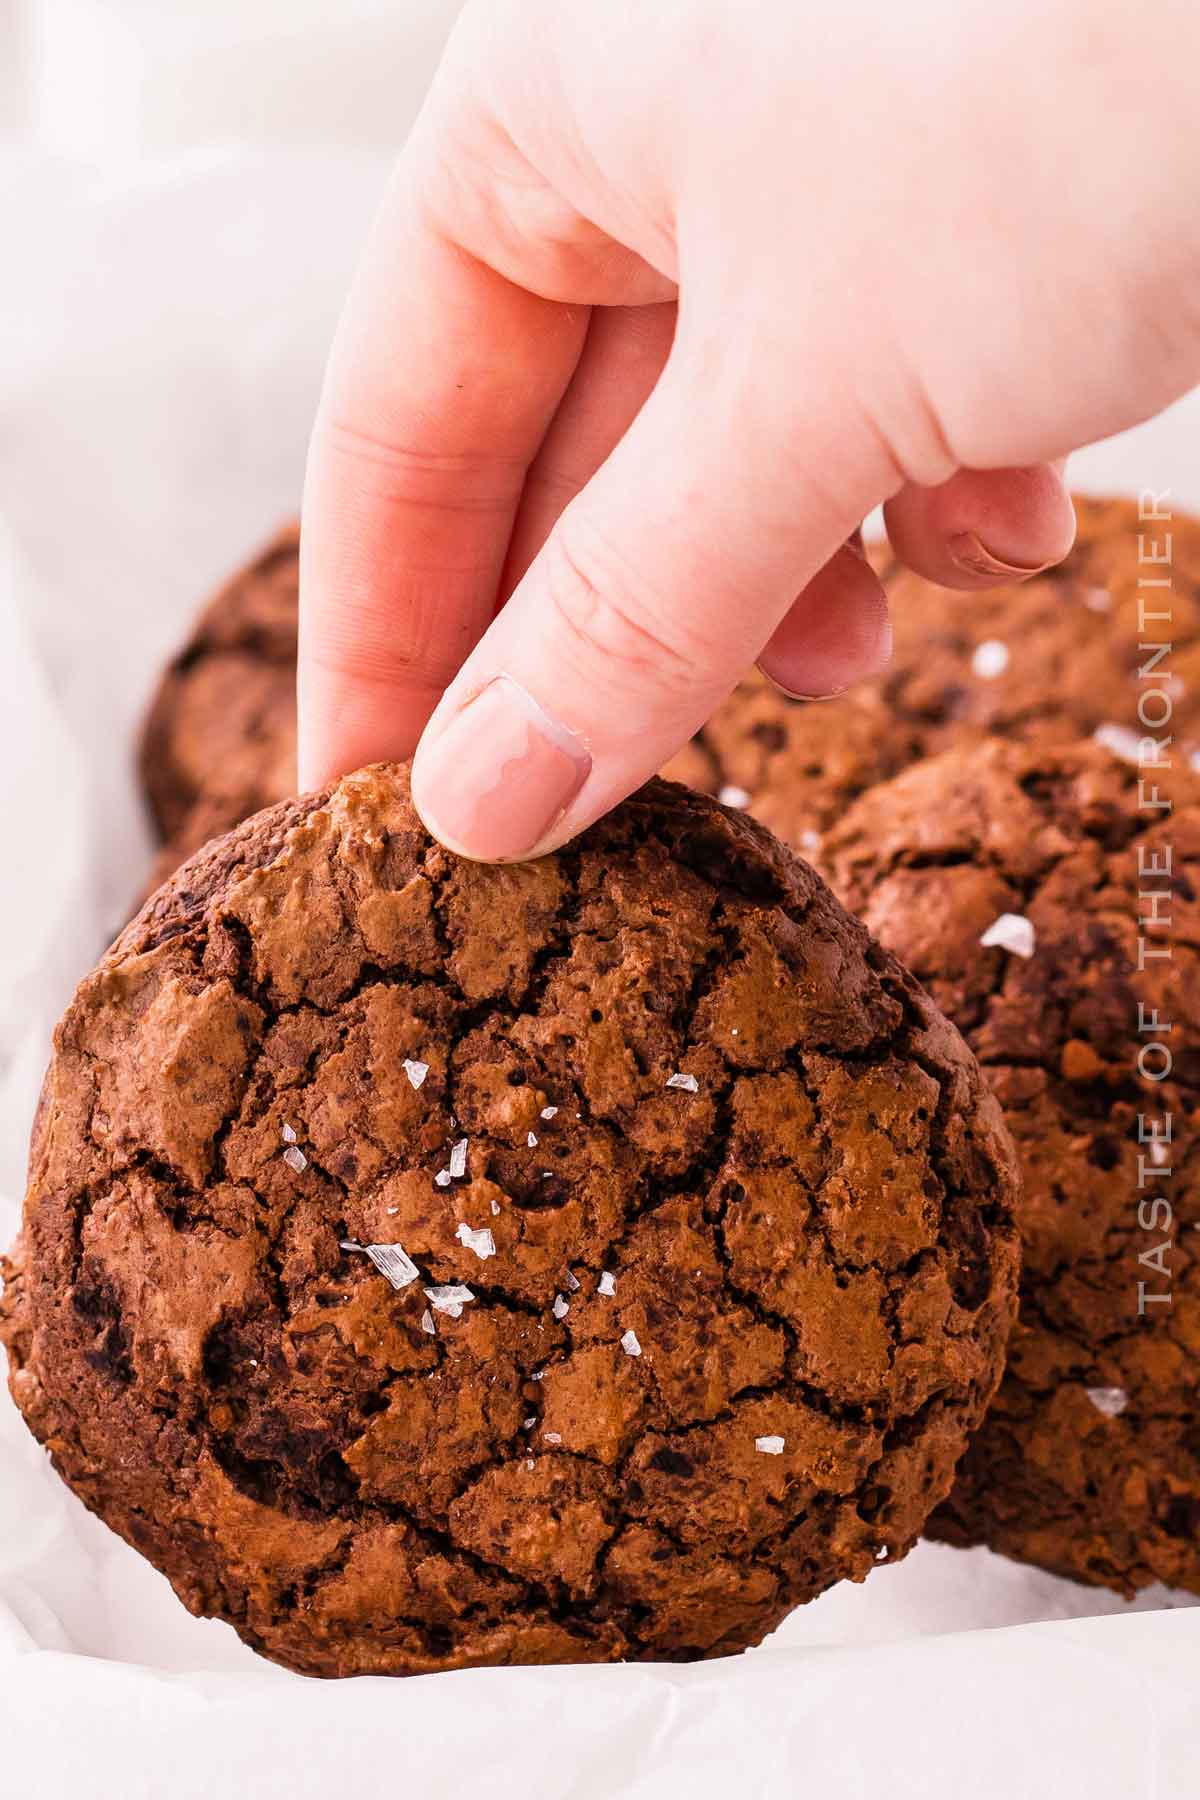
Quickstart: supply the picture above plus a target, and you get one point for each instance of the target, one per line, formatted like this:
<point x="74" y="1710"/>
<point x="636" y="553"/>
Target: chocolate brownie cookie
<point x="219" y="741"/>
<point x="1054" y="659"/>
<point x="1053" y="910"/>
<point x="430" y="1264"/>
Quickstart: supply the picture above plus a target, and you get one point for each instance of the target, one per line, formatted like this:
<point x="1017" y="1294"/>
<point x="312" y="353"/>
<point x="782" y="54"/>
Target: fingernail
<point x="500" y="776"/>
<point x="973" y="556"/>
<point x="791" y="694"/>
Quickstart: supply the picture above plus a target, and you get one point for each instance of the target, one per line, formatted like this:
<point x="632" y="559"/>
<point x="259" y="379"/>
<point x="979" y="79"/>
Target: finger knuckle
<point x="407" y="474"/>
<point x="909" y="448"/>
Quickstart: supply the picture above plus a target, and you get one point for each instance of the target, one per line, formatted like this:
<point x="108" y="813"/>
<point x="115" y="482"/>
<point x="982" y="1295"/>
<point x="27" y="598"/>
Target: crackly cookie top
<point x="1050" y="900"/>
<point x="1055" y="659"/>
<point x="429" y="1263"/>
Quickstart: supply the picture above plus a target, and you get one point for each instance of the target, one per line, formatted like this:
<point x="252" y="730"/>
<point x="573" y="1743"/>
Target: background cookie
<point x="1014" y="881"/>
<point x="219" y="741"/>
<point x="1054" y="659"/>
<point x="429" y="1264"/>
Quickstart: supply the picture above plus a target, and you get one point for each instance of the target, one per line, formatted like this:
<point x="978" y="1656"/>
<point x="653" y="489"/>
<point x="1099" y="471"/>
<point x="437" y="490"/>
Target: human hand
<point x="661" y="302"/>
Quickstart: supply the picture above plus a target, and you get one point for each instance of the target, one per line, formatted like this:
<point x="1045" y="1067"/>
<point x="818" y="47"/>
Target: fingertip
<point x="838" y="631"/>
<point x="494" y="780"/>
<point x="983" y="528"/>
<point x="314" y="766"/>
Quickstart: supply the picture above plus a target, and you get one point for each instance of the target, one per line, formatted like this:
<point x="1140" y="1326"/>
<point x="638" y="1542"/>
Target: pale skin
<point x="664" y="297"/>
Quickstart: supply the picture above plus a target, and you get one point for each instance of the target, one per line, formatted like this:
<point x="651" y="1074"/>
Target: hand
<point x="662" y="300"/>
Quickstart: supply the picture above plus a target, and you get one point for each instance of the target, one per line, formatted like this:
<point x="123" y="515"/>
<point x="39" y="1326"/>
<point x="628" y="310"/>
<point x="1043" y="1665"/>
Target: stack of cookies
<point x="429" y="1265"/>
<point x="1013" y="808"/>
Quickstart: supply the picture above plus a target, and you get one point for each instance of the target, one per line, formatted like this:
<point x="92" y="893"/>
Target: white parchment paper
<point x="160" y="347"/>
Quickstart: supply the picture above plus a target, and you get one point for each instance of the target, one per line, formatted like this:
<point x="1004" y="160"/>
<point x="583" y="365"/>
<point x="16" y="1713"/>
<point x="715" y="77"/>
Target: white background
<point x="121" y="78"/>
<point x="181" y="192"/>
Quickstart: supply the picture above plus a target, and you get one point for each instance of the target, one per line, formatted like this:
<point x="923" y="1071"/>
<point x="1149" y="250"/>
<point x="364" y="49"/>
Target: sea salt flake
<point x="481" y="1242"/>
<point x="495" y="1208"/>
<point x="531" y="1140"/>
<point x="607" y="1284"/>
<point x="529" y="1423"/>
<point x="427" y="1323"/>
<point x="442" y="1178"/>
<point x="458" y="1160"/>
<point x="393" y="1261"/>
<point x="881" y="1555"/>
<point x="552" y="1437"/>
<point x="416" y="1071"/>
<point x="529" y="1463"/>
<point x="770" y="1446"/>
<point x="561" y="1307"/>
<point x="295" y="1158"/>
<point x="687" y="1082"/>
<point x="990" y="659"/>
<point x="548" y="1112"/>
<point x="1111" y="1401"/>
<point x="630" y="1345"/>
<point x="538" y="1375"/>
<point x="1012" y="932"/>
<point x="449" y="1299"/>
<point x="1124" y="743"/>
<point x="289" y="1133"/>
<point x="571" y="1282"/>
<point x="733" y="796"/>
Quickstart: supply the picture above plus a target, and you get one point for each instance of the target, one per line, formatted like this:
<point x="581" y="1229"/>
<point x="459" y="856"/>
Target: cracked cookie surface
<point x="1088" y="1462"/>
<point x="699" y="1216"/>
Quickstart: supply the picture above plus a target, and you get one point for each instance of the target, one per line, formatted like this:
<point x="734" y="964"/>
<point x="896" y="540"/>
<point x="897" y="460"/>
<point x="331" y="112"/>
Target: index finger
<point x="442" y="381"/>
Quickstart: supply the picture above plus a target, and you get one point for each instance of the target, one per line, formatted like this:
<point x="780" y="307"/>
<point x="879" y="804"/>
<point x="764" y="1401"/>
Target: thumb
<point x="658" y="587"/>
